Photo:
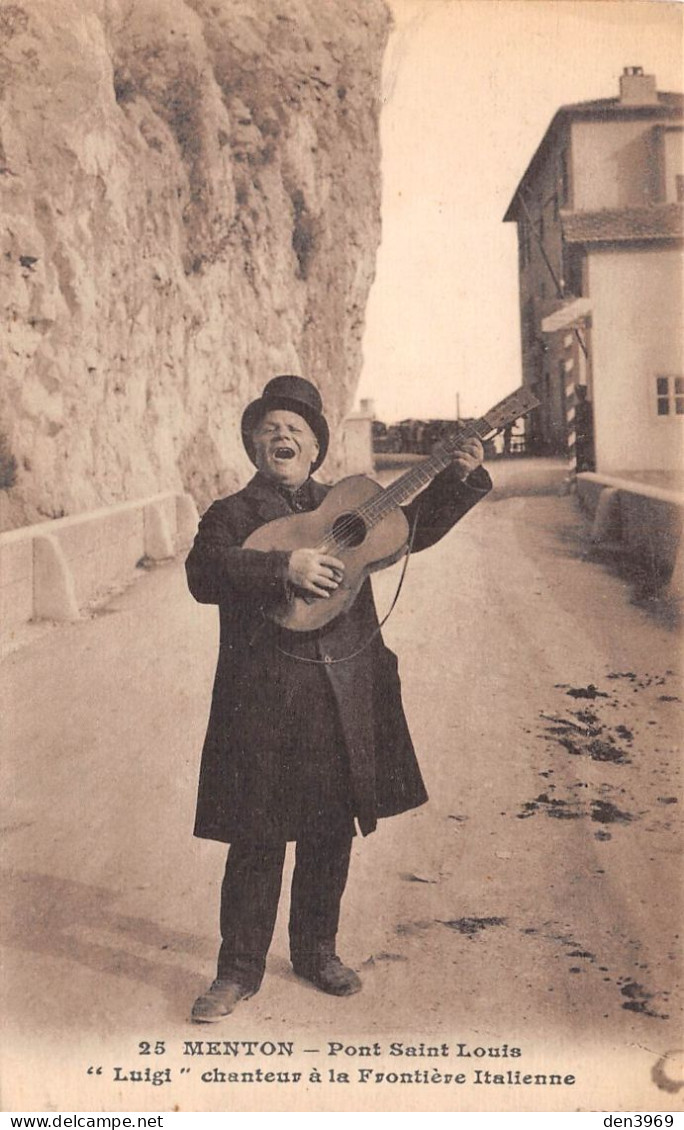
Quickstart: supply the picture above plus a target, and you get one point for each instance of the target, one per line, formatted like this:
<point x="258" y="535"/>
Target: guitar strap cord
<point x="375" y="632"/>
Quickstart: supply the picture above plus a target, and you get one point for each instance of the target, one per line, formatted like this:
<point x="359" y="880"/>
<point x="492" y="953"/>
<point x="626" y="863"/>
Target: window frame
<point x="669" y="396"/>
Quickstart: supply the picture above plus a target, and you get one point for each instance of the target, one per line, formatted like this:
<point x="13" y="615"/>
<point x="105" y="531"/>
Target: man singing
<point x="307" y="738"/>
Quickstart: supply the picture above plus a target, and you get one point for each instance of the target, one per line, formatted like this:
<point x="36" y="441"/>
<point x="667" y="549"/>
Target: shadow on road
<point x="78" y="923"/>
<point x="558" y="528"/>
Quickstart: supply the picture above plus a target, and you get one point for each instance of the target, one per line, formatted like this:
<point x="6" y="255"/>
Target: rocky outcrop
<point x="191" y="205"/>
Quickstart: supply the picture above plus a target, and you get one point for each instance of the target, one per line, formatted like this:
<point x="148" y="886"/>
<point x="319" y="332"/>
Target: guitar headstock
<point x="508" y="410"/>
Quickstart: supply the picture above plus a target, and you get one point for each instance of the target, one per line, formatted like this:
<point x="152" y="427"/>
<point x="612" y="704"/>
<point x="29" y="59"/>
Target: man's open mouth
<point x="283" y="453"/>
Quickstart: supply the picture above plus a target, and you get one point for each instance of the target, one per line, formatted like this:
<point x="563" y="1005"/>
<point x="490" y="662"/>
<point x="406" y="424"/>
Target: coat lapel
<point x="269" y="503"/>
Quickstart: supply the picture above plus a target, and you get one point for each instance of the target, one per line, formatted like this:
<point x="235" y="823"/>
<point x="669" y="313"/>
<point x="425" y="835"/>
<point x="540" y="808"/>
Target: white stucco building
<point x="599" y="213"/>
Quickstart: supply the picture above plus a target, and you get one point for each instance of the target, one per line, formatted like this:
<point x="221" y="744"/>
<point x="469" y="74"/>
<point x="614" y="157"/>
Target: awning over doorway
<point x="568" y="315"/>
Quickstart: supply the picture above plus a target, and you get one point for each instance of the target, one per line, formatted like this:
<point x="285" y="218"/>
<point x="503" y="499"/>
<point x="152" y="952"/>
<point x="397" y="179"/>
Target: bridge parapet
<point x="641" y="521"/>
<point x="55" y="570"/>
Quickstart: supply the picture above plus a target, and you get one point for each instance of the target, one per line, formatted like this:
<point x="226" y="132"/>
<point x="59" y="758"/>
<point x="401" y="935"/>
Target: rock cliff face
<point x="191" y="205"/>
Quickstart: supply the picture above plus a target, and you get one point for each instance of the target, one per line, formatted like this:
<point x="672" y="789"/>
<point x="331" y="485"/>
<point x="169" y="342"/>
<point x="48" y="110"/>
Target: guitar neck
<point x="420" y="476"/>
<point x="508" y="410"/>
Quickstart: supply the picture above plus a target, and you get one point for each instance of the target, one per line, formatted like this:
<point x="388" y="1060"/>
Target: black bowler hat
<point x="291" y="394"/>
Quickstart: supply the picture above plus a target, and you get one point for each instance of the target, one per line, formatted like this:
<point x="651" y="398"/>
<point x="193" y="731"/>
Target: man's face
<point x="284" y="447"/>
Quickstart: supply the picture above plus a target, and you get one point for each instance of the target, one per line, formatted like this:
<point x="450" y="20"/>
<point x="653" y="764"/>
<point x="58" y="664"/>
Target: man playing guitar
<point x="307" y="739"/>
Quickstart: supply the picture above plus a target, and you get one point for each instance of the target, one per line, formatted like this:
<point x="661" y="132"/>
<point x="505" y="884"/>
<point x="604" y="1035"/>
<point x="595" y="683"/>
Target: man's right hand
<point x="314" y="572"/>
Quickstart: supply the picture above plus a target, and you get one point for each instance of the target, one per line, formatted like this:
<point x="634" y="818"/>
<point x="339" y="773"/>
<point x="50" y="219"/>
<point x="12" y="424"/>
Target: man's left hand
<point x="468" y="457"/>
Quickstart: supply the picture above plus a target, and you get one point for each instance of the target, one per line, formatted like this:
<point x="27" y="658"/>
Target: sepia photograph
<point x="341" y="564"/>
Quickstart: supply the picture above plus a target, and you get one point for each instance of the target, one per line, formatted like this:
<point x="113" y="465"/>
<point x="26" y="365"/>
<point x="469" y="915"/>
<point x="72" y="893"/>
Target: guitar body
<point x="374" y="547"/>
<point x="362" y="524"/>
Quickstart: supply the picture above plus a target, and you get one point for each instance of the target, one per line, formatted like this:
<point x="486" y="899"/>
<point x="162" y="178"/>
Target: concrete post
<point x="606" y="525"/>
<point x="187" y="520"/>
<point x="675" y="586"/>
<point x="357" y="444"/>
<point x="54" y="593"/>
<point x="158" y="540"/>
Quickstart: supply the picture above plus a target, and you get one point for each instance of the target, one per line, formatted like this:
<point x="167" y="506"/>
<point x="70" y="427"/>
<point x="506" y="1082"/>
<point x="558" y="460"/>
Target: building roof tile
<point x="670" y="104"/>
<point x="658" y="222"/>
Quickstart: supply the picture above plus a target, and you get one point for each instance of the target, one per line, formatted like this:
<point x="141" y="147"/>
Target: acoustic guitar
<point x="362" y="523"/>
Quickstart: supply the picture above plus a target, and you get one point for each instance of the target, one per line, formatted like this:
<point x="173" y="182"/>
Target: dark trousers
<point x="250" y="894"/>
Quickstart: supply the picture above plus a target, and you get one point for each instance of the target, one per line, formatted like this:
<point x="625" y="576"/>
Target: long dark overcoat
<point x="264" y="762"/>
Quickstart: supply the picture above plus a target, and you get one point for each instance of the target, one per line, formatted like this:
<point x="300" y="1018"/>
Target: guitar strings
<point x="378" y="507"/>
<point x="383" y="503"/>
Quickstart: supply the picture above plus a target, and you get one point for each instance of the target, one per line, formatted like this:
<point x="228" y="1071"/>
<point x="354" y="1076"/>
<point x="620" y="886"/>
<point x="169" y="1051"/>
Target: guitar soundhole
<point x="349" y="530"/>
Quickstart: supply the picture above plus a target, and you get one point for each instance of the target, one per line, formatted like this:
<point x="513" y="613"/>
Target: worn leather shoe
<point x="218" y="1001"/>
<point x="326" y="972"/>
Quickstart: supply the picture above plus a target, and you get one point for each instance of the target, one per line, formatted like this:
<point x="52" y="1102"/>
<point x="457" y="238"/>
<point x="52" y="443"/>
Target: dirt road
<point x="533" y="904"/>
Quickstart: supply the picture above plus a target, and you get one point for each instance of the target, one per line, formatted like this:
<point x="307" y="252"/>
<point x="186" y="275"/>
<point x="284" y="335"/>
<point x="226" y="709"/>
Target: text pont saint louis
<point x="345" y="1072"/>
